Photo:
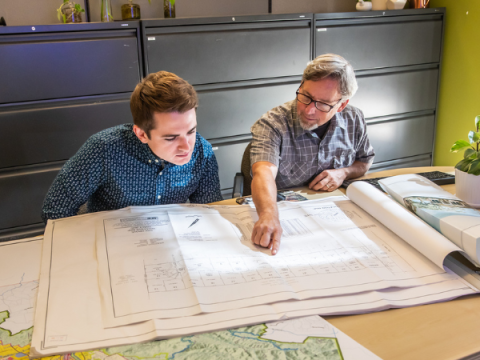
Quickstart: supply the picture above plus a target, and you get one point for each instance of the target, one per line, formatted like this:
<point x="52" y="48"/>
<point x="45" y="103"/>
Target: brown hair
<point x="335" y="67"/>
<point x="160" y="92"/>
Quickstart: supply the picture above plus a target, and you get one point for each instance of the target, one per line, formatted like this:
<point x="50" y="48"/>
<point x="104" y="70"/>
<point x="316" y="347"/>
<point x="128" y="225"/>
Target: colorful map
<point x="251" y="342"/>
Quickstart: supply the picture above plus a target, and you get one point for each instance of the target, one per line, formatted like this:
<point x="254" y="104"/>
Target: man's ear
<point x="342" y="106"/>
<point x="141" y="135"/>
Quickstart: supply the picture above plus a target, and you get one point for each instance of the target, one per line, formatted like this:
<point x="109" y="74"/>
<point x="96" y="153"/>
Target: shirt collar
<point x="145" y="154"/>
<point x="337" y="120"/>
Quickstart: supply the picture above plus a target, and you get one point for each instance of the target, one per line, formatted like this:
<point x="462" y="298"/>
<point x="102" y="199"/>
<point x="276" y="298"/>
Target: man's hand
<point x="267" y="232"/>
<point x="328" y="180"/>
<point x="332" y="179"/>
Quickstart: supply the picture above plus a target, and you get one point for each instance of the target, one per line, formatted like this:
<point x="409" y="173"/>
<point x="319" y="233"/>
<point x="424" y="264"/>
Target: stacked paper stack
<point x="139" y="274"/>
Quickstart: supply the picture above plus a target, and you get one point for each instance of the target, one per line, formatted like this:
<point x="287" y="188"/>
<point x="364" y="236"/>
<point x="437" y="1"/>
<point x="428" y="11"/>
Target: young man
<point x="316" y="140"/>
<point x="160" y="159"/>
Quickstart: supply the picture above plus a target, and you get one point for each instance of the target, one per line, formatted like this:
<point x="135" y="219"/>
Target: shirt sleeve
<point x="364" y="151"/>
<point x="208" y="189"/>
<point x="266" y="141"/>
<point x="78" y="179"/>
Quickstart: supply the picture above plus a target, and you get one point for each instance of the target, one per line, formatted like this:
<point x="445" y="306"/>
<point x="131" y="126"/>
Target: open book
<point x="446" y="213"/>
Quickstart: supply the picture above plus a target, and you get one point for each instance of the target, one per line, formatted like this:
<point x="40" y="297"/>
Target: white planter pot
<point x="468" y="188"/>
<point x="379" y="4"/>
<point x="364" y="6"/>
<point x="396" y="4"/>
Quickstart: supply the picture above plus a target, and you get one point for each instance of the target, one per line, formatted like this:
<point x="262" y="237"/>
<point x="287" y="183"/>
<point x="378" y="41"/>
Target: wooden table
<point x="449" y="330"/>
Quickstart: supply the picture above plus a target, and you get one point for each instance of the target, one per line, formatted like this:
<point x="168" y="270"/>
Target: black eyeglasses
<point x="307" y="100"/>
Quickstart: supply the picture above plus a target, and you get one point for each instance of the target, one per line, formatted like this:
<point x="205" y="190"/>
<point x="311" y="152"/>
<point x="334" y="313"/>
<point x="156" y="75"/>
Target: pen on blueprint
<point x="194" y="222"/>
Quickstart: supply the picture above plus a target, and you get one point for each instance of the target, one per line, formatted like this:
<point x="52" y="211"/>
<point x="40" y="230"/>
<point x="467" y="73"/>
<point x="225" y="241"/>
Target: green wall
<point x="459" y="100"/>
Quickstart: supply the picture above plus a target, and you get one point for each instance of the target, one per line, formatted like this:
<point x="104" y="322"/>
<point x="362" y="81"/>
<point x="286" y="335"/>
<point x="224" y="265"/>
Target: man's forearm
<point x="267" y="230"/>
<point x="264" y="193"/>
<point x="357" y="169"/>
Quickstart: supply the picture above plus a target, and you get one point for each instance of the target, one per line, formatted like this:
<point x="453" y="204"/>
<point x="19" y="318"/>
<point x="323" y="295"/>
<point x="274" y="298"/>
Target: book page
<point x="446" y="213"/>
<point x="402" y="222"/>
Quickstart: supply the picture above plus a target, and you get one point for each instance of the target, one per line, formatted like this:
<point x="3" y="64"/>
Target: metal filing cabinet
<point x="67" y="82"/>
<point x="396" y="56"/>
<point x="60" y="85"/>
<point x="241" y="67"/>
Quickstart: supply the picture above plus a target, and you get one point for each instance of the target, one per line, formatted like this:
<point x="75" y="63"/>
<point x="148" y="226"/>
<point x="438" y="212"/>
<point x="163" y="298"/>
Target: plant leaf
<point x="459" y="145"/>
<point x="477" y="122"/>
<point x="59" y="13"/>
<point x="473" y="136"/>
<point x="470" y="153"/>
<point x="464" y="165"/>
<point x="475" y="168"/>
<point x="172" y="2"/>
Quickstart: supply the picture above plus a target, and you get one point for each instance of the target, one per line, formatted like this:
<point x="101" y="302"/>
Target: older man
<point x="316" y="140"/>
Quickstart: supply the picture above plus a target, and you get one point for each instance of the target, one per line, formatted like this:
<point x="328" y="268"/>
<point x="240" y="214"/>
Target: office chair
<point x="242" y="182"/>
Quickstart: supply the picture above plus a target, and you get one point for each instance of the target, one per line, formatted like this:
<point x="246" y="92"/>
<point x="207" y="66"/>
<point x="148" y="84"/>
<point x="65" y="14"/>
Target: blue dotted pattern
<point x="114" y="169"/>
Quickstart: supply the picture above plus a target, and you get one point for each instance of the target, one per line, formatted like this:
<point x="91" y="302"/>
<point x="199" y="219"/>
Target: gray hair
<point x="335" y="67"/>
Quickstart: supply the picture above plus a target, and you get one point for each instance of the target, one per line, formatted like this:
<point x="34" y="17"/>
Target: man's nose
<point x="184" y="145"/>
<point x="311" y="108"/>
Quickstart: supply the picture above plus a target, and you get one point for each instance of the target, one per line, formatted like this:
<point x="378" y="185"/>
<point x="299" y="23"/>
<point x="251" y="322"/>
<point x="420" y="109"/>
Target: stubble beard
<point x="306" y="126"/>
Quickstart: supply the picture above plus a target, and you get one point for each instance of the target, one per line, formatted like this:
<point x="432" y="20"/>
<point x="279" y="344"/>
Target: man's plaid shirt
<point x="299" y="154"/>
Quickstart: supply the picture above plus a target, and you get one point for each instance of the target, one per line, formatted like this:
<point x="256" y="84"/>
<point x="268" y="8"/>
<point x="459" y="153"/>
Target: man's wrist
<point x="268" y="214"/>
<point x="345" y="173"/>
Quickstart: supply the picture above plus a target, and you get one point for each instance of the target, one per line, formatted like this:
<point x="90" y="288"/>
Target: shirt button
<point x="149" y="161"/>
<point x="159" y="196"/>
<point x="156" y="160"/>
<point x="161" y="173"/>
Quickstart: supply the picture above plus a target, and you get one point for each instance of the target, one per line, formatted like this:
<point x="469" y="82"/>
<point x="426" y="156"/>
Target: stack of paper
<point x="138" y="274"/>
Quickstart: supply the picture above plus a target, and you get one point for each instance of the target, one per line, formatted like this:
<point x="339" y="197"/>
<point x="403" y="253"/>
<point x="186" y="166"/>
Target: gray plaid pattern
<point x="299" y="154"/>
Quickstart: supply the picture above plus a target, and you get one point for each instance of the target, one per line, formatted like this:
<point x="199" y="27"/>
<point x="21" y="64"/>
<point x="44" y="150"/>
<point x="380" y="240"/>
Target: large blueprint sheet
<point x="193" y="260"/>
<point x="69" y="315"/>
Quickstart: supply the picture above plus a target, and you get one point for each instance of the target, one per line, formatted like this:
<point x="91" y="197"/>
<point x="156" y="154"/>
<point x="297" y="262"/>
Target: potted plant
<point x="467" y="171"/>
<point x="131" y="11"/>
<point x="70" y="12"/>
<point x="364" y="5"/>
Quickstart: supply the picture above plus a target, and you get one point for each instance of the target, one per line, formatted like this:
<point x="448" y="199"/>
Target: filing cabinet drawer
<point x="229" y="158"/>
<point x="232" y="111"/>
<point x="63" y="65"/>
<point x="396" y="93"/>
<point x="206" y="54"/>
<point x="55" y="131"/>
<point x="382" y="42"/>
<point x="22" y="195"/>
<point x="401" y="138"/>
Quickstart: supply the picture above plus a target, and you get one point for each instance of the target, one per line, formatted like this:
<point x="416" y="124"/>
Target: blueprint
<point x="308" y="336"/>
<point x="70" y="312"/>
<point x="189" y="261"/>
<point x="19" y="274"/>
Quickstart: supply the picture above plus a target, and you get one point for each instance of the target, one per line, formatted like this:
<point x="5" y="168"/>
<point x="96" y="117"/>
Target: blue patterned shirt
<point x="114" y="169"/>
